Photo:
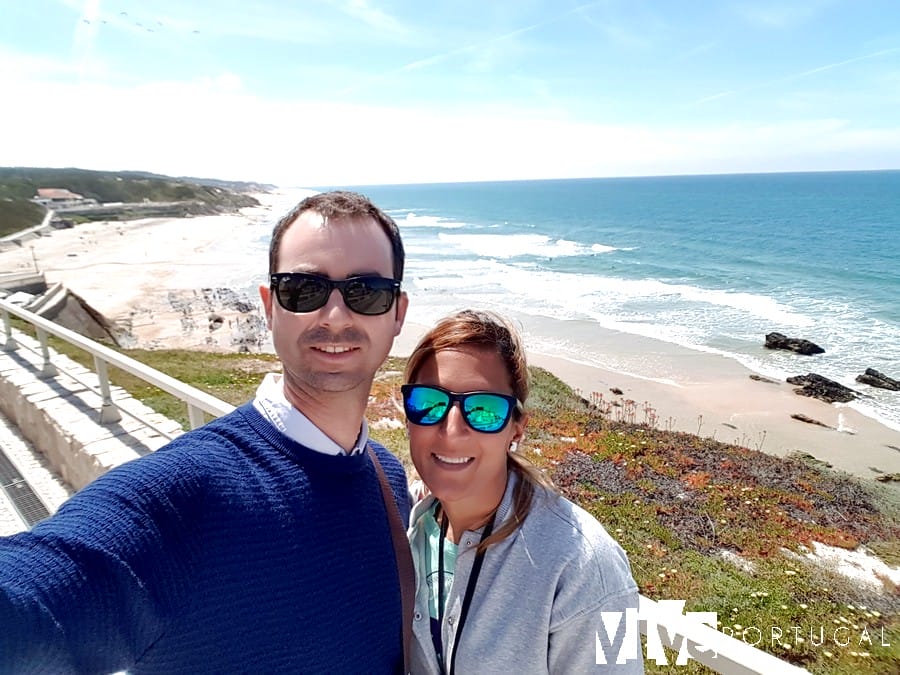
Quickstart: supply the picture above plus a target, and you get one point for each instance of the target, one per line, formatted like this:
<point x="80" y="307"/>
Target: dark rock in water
<point x="799" y="345"/>
<point x="816" y="386"/>
<point x="616" y="391"/>
<point x="809" y="420"/>
<point x="880" y="380"/>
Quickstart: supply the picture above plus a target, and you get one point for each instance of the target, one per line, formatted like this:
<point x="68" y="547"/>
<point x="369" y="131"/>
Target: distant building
<point x="60" y="197"/>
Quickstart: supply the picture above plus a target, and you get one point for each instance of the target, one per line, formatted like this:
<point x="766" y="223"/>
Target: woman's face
<point x="457" y="463"/>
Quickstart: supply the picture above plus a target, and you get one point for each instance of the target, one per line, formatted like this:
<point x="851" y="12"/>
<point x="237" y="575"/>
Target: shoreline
<point x="164" y="282"/>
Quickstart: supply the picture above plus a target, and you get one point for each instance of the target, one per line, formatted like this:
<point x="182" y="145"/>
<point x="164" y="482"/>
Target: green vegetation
<point x="19" y="185"/>
<point x="723" y="527"/>
<point x="18" y="214"/>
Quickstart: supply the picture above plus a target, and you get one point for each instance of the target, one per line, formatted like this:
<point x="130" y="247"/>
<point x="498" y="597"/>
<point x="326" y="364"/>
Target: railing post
<point x="195" y="416"/>
<point x="109" y="413"/>
<point x="9" y="344"/>
<point x="47" y="368"/>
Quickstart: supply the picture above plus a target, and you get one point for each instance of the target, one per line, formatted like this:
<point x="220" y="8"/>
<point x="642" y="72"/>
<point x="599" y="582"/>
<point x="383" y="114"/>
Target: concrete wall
<point x="27" y="282"/>
<point x="60" y="416"/>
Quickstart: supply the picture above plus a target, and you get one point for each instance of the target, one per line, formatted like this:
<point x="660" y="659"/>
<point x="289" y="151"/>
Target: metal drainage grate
<point x="23" y="498"/>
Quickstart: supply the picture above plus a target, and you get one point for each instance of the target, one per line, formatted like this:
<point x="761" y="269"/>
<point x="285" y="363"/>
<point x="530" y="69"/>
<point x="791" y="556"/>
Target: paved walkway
<point x="65" y="410"/>
<point x="30" y="465"/>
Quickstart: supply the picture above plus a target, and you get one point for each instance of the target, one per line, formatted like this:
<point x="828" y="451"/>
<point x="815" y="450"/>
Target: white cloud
<point x="213" y="127"/>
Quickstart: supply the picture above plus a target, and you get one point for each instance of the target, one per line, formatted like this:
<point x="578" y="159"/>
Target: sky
<point x="361" y="92"/>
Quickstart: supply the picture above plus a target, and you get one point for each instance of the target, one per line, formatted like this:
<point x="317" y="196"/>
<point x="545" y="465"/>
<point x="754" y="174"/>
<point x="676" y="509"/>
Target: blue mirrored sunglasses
<point x="484" y="411"/>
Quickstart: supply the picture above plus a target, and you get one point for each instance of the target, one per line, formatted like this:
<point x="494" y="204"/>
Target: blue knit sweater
<point x="232" y="549"/>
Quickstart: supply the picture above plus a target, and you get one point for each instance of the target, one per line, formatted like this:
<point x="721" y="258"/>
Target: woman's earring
<point x="513" y="446"/>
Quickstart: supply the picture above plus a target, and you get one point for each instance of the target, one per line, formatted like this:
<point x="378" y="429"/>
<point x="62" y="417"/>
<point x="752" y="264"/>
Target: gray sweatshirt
<point x="538" y="600"/>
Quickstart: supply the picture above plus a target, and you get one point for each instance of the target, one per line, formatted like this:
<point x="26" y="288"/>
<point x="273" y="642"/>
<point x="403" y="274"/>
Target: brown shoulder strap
<point x="403" y="555"/>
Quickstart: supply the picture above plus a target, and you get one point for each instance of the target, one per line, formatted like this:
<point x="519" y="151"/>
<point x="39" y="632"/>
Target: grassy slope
<point x="673" y="501"/>
<point x="19" y="185"/>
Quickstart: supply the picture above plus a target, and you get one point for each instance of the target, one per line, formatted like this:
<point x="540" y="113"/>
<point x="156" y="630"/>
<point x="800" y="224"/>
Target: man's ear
<point x="265" y="294"/>
<point x="402" y="304"/>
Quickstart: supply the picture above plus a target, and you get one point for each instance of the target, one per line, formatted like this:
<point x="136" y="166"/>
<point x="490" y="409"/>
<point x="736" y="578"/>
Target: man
<point x="261" y="541"/>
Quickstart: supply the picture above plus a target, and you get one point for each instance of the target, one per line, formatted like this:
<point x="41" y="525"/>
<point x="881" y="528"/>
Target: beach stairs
<point x="60" y="305"/>
<point x="48" y="303"/>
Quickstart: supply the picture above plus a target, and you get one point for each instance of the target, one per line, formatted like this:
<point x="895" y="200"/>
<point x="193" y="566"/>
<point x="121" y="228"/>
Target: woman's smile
<point x="452" y="461"/>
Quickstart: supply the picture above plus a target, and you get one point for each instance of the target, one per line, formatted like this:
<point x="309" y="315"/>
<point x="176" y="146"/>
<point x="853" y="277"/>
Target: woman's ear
<point x="514" y="443"/>
<point x="519" y="433"/>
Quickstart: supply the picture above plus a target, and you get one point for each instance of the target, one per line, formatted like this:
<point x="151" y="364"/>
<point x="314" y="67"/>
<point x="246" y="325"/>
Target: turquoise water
<point x="711" y="263"/>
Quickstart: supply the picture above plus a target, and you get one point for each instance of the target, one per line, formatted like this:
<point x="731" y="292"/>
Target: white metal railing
<point x="662" y="625"/>
<point x="198" y="402"/>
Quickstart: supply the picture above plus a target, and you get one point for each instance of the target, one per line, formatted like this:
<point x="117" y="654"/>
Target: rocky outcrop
<point x="210" y="319"/>
<point x="817" y="386"/>
<point x="798" y="345"/>
<point x="874" y="378"/>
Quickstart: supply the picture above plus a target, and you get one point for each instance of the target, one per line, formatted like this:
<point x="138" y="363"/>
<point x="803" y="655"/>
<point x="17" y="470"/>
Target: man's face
<point x="333" y="349"/>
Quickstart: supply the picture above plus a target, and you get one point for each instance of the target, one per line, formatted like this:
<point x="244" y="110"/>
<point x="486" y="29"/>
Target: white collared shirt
<point x="272" y="404"/>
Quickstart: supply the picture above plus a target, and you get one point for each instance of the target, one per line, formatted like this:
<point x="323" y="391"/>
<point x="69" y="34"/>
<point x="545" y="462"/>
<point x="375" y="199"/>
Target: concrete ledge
<point x="61" y="417"/>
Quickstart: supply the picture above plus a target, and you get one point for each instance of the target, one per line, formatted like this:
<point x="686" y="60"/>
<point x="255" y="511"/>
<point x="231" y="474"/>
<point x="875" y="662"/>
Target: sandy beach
<point x="160" y="281"/>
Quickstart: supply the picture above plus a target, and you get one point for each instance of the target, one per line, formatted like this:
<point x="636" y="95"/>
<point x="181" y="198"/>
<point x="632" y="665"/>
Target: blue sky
<point x="352" y="92"/>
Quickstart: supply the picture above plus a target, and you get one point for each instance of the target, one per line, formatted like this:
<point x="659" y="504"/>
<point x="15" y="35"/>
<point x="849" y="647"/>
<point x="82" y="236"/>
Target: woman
<point x="512" y="576"/>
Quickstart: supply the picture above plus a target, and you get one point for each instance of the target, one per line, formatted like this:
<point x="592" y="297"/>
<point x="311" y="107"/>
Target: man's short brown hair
<point x="340" y="204"/>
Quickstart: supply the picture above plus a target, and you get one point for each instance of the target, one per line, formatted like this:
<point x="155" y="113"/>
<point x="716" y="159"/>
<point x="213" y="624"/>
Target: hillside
<point x="19" y="184"/>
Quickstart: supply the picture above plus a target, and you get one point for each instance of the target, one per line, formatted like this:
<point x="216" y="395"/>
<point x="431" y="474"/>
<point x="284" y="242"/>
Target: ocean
<point x="709" y="263"/>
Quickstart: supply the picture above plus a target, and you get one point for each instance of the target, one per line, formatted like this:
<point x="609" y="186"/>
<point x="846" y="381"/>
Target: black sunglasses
<point x="484" y="411"/>
<point x="298" y="292"/>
